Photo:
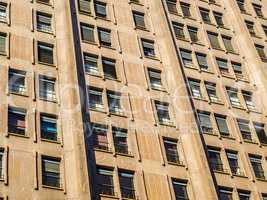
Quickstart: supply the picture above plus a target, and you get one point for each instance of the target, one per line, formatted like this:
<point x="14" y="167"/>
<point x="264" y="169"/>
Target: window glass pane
<point x="47" y="88"/>
<point x="45" y="53"/>
<point x="51" y="172"/>
<point x="139" y="19"/>
<point x="222" y="125"/>
<point x="202" y="61"/>
<point x="214" y="40"/>
<point x="100" y="9"/>
<point x="87" y="33"/>
<point x="163" y="112"/>
<point x="3" y="12"/>
<point x="127" y="185"/>
<point x="193" y="33"/>
<point x="44" y="22"/>
<point x="148" y="48"/>
<point x="100" y="140"/>
<point x="120" y="140"/>
<point x="105" y="183"/>
<point x="155" y="78"/>
<point x="228" y="43"/>
<point x="109" y="68"/>
<point x="16" y="120"/>
<point x="180" y="190"/>
<point x="16" y="81"/>
<point x="2" y="43"/>
<point x="49" y="127"/>
<point x="114" y="102"/>
<point x="84" y="6"/>
<point x="90" y="64"/>
<point x="104" y="37"/>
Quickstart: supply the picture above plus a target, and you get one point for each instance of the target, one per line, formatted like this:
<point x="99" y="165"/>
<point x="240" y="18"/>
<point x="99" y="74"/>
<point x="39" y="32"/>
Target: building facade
<point x="133" y="99"/>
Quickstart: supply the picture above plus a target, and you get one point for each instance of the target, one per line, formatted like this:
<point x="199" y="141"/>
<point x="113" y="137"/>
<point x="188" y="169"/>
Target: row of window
<point x="120" y="140"/>
<point x="106" y="186"/>
<point x="257" y="8"/>
<point x="17" y="84"/>
<point x="236" y="98"/>
<point x="216" y="163"/>
<point x="17" y="124"/>
<point x="51" y="170"/>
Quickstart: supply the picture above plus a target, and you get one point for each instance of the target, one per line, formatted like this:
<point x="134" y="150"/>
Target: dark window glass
<point x="139" y="19"/>
<point x="109" y="68"/>
<point x="180" y="190"/>
<point x="250" y="27"/>
<point x="100" y="9"/>
<point x="114" y="102"/>
<point x="105" y="184"/>
<point x="16" y="120"/>
<point x="241" y="5"/>
<point x="219" y="19"/>
<point x="244" y="195"/>
<point x="187" y="58"/>
<point x="45" y="53"/>
<point x="205" y="14"/>
<point x="127" y="185"/>
<point x="258" y="10"/>
<point x="227" y="41"/>
<point x="148" y="48"/>
<point x="16" y="81"/>
<point x="222" y="125"/>
<point x="120" y="140"/>
<point x="100" y="139"/>
<point x="47" y="88"/>
<point x="51" y="172"/>
<point x="87" y="32"/>
<point x="91" y="64"/>
<point x="186" y="9"/>
<point x="244" y="129"/>
<point x="212" y="92"/>
<point x="205" y="123"/>
<point x="225" y="194"/>
<point x="202" y="61"/>
<point x="48" y="127"/>
<point x="171" y="151"/>
<point x="84" y="6"/>
<point x="213" y="37"/>
<point x="3" y="12"/>
<point x="178" y="30"/>
<point x="215" y="160"/>
<point x="234" y="163"/>
<point x="257" y="167"/>
<point x="44" y="22"/>
<point x="163" y="112"/>
<point x="260" y="130"/>
<point x="155" y="78"/>
<point x="171" y="4"/>
<point x="95" y="99"/>
<point x="104" y="37"/>
<point x="193" y="33"/>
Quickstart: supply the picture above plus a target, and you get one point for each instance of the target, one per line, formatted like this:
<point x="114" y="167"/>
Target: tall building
<point x="133" y="99"/>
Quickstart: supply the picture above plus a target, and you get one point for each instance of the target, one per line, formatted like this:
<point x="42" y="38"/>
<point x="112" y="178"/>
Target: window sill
<point x="197" y="43"/>
<point x="231" y="52"/>
<point x="206" y="71"/>
<point x="199" y="98"/>
<point x="48" y="100"/>
<point x="47" y="32"/>
<point x="222" y="172"/>
<point x="88" y="13"/>
<point x="89" y="42"/>
<point x="44" y="3"/>
<point x="110" y="78"/>
<point x="249" y="141"/>
<point x="176" y="164"/>
<point x="219" y="102"/>
<point x="130" y="155"/>
<point x="98" y="110"/>
<point x="4" y="21"/>
<point x="137" y="3"/>
<point x="189" y="17"/>
<point x="226" y="137"/>
<point x="121" y="114"/>
<point x="47" y="64"/>
<point x="182" y="39"/>
<point x="238" y="107"/>
<point x="18" y="135"/>
<point x="3" y="53"/>
<point x="50" y="141"/>
<point x="141" y="28"/>
<point x="109" y="196"/>
<point x="227" y="76"/>
<point x="103" y="150"/>
<point x="152" y="57"/>
<point x="92" y="74"/>
<point x="263" y="144"/>
<point x="216" y="48"/>
<point x="208" y="23"/>
<point x="16" y="93"/>
<point x="102" y="18"/>
<point x="253" y="111"/>
<point x="222" y="27"/>
<point x="106" y="46"/>
<point x="210" y="133"/>
<point x="51" y="187"/>
<point x="162" y="89"/>
<point x="170" y="124"/>
<point x="261" y="179"/>
<point x="239" y="176"/>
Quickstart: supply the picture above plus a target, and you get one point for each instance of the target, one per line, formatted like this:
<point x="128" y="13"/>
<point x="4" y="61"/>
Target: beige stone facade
<point x="133" y="99"/>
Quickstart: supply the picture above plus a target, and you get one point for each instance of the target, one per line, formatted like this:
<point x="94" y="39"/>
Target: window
<point x="2" y="43"/>
<point x="163" y="112"/>
<point x="264" y="196"/>
<point x="44" y="22"/>
<point x="225" y="194"/>
<point x="193" y="33"/>
<point x="265" y="29"/>
<point x="104" y="37"/>
<point x="222" y="125"/>
<point x="260" y="130"/>
<point x="233" y="162"/>
<point x="257" y="166"/>
<point x="178" y="30"/>
<point x="227" y="41"/>
<point x="180" y="189"/>
<point x="155" y="78"/>
<point x="87" y="33"/>
<point x="139" y="19"/>
<point x="171" y="151"/>
<point x="186" y="9"/>
<point x="48" y="127"/>
<point x="109" y="68"/>
<point x="202" y="61"/>
<point x="205" y="123"/>
<point x="214" y="41"/>
<point x="261" y="52"/>
<point x="114" y="102"/>
<point x="205" y="14"/>
<point x="100" y="9"/>
<point x="212" y="93"/>
<point x="44" y="1"/>
<point x="244" y="129"/>
<point x="219" y="19"/>
<point x="241" y="5"/>
<point x="233" y="97"/>
<point x="84" y="6"/>
<point x="243" y="195"/>
<point x="126" y="180"/>
<point x="3" y="12"/>
<point x="148" y="48"/>
<point x="223" y="67"/>
<point x="215" y="160"/>
<point x="187" y="58"/>
<point x="258" y="10"/>
<point x="1" y="164"/>
<point x="95" y="99"/>
<point x="51" y="172"/>
<point x="105" y="184"/>
<point x="250" y="27"/>
<point x="16" y="120"/>
<point x="120" y="140"/>
<point x="100" y="139"/>
<point x="90" y="64"/>
<point x="248" y="97"/>
<point x="47" y="88"/>
<point x="171" y="4"/>
<point x="16" y="81"/>
<point x="195" y="88"/>
<point x="45" y="53"/>
<point x="237" y="67"/>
